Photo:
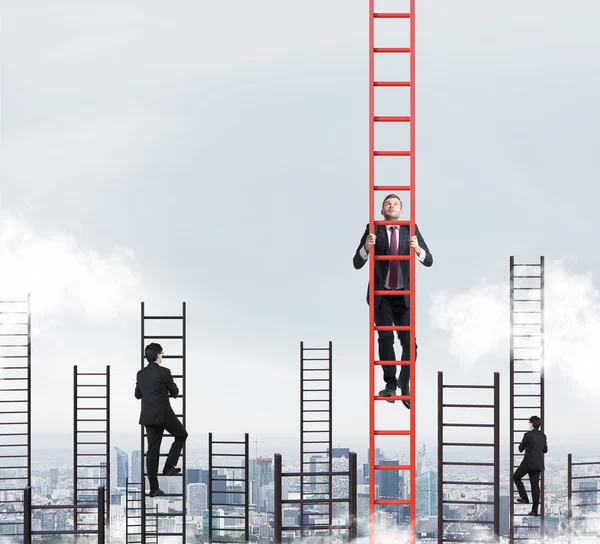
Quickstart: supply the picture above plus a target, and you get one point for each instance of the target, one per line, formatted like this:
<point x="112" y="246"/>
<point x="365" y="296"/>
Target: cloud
<point x="478" y="324"/>
<point x="62" y="275"/>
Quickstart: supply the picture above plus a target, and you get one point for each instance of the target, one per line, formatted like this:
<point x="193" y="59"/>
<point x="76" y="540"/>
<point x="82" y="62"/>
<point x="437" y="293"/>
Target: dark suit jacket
<point x="154" y="386"/>
<point x="534" y="444"/>
<point x="382" y="247"/>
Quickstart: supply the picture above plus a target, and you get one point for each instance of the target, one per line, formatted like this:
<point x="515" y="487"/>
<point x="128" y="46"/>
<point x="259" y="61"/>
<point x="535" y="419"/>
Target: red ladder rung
<point x="393" y="433"/>
<point x="392" y="467"/>
<point x="392" y="222"/>
<point x="392" y="153"/>
<point x="392" y="188"/>
<point x="390" y="293"/>
<point x="394" y="363"/>
<point x="391" y="15"/>
<point x="391" y="501"/>
<point x="392" y="119"/>
<point x="392" y="257"/>
<point x="391" y="84"/>
<point x="391" y="50"/>
<point x="395" y="397"/>
<point x="392" y="328"/>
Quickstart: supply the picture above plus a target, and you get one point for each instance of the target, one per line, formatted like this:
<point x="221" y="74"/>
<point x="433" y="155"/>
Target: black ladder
<point x="91" y="439"/>
<point x="487" y="442"/>
<point x="232" y="508"/>
<point x="133" y="513"/>
<point x="170" y="332"/>
<point x="526" y="383"/>
<point x="15" y="411"/>
<point x="587" y="493"/>
<point x="316" y="403"/>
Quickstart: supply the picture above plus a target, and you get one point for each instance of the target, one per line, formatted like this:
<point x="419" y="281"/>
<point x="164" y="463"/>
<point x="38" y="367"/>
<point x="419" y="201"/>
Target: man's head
<point x="391" y="209"/>
<point x="153" y="353"/>
<point x="535" y="422"/>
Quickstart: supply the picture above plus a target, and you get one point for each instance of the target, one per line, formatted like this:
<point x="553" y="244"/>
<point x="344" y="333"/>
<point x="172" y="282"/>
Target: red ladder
<point x="373" y="187"/>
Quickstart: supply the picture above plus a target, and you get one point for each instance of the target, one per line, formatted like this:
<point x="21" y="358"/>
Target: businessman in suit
<point x="154" y="387"/>
<point x="534" y="445"/>
<point x="392" y="275"/>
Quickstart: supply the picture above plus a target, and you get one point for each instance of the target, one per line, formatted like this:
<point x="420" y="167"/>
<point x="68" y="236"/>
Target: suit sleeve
<point x="523" y="443"/>
<point x="171" y="385"/>
<point x="428" y="261"/>
<point x="138" y="392"/>
<point x="358" y="260"/>
<point x="545" y="450"/>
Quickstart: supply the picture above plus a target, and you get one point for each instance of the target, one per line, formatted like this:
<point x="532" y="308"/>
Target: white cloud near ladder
<point x="63" y="276"/>
<point x="478" y="323"/>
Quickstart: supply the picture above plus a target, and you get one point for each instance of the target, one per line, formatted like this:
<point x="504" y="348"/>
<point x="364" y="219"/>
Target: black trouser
<point x="534" y="479"/>
<point x="155" y="435"/>
<point x="392" y="310"/>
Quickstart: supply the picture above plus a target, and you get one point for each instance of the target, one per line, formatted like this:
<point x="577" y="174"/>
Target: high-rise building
<point x="119" y="468"/>
<point x="197" y="499"/>
<point x="192" y="476"/>
<point x="588" y="501"/>
<point x="265" y="470"/>
<point x="427" y="487"/>
<point x="388" y="480"/>
<point x="54" y="477"/>
<point x="136" y="467"/>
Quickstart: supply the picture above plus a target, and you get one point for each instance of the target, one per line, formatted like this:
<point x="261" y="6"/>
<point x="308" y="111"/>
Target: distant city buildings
<point x="55" y="485"/>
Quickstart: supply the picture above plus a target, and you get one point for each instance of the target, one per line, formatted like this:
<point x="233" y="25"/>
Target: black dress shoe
<point x="523" y="501"/>
<point x="532" y="513"/>
<point x="171" y="471"/>
<point x="405" y="391"/>
<point x="388" y="393"/>
<point x="156" y="492"/>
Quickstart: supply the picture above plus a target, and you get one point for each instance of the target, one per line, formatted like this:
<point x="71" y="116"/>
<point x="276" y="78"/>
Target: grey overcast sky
<point x="217" y="153"/>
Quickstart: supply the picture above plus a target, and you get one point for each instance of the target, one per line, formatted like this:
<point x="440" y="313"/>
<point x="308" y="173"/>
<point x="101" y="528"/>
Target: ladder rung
<point x="468" y="406"/>
<point x="391" y="50"/>
<point x="391" y="188"/>
<point x="387" y="153"/>
<point x="393" y="397"/>
<point x="391" y="119"/>
<point x="391" y="15"/>
<point x="468" y="425"/>
<point x="391" y="84"/>
<point x="392" y="433"/>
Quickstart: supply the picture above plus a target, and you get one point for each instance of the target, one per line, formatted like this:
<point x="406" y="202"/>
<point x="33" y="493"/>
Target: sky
<point x="217" y="153"/>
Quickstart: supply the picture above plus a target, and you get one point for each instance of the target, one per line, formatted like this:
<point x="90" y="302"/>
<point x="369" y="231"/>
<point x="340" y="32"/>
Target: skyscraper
<point x="54" y="477"/>
<point x="119" y="468"/>
<point x="427" y="490"/>
<point x="136" y="466"/>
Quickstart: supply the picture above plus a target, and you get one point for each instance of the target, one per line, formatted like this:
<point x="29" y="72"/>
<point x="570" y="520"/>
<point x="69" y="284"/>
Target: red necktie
<point x="393" y="264"/>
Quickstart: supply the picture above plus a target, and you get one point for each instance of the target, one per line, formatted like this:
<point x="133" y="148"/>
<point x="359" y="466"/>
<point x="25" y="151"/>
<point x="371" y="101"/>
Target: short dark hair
<point x="535" y="421"/>
<point x="152" y="352"/>
<point x="392" y="195"/>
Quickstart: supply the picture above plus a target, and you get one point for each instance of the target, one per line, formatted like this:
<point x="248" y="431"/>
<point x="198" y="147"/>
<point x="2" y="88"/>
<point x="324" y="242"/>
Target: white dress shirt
<point x="365" y="255"/>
